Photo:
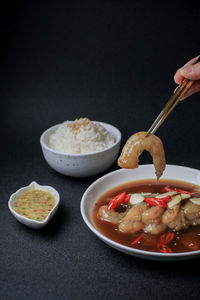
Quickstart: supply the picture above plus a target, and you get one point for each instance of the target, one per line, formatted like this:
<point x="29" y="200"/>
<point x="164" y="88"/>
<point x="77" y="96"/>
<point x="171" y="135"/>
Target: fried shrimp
<point x="135" y="145"/>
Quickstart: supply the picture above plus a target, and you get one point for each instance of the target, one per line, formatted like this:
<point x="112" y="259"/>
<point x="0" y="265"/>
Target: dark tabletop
<point x="111" y="61"/>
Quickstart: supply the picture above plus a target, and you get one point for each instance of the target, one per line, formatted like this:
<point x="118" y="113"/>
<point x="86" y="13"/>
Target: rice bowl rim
<point x="112" y="128"/>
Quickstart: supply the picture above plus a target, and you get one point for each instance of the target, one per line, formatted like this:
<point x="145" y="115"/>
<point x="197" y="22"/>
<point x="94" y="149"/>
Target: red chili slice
<point x="127" y="198"/>
<point x="155" y="202"/>
<point x="168" y="189"/>
<point x="166" y="238"/>
<point x="116" y="200"/>
<point x="136" y="240"/>
<point x="182" y="191"/>
<point x="164" y="248"/>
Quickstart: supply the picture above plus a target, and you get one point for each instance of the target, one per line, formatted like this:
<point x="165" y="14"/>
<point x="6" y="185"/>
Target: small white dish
<point x="116" y="178"/>
<point x="81" y="165"/>
<point x="30" y="222"/>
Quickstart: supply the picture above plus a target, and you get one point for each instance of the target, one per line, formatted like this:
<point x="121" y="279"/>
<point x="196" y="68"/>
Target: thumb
<point x="191" y="72"/>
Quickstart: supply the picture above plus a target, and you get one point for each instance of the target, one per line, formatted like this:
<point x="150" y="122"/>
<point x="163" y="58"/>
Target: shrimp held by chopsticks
<point x="136" y="144"/>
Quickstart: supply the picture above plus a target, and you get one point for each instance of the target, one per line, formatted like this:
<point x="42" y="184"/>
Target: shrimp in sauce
<point x="147" y="225"/>
<point x="134" y="147"/>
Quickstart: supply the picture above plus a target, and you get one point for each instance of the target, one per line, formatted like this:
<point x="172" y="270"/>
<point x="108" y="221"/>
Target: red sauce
<point x="183" y="241"/>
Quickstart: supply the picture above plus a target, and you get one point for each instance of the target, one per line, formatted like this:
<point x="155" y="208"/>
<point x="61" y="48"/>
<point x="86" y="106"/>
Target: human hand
<point x="190" y="71"/>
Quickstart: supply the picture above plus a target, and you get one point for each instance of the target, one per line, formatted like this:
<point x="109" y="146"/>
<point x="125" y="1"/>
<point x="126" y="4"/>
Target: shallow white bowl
<point x="29" y="222"/>
<point x="113" y="179"/>
<point x="81" y="165"/>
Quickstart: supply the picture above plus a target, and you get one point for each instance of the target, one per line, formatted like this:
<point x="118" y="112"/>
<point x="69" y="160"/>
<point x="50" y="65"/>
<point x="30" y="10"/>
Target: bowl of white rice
<point x="81" y="148"/>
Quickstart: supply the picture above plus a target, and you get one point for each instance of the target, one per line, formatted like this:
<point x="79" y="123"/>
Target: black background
<point x="111" y="61"/>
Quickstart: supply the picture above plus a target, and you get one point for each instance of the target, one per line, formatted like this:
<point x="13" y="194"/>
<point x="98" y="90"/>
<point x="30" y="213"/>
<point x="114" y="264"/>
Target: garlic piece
<point x="136" y="198"/>
<point x="177" y="199"/>
<point x="146" y="194"/>
<point x="195" y="200"/>
<point x="166" y="194"/>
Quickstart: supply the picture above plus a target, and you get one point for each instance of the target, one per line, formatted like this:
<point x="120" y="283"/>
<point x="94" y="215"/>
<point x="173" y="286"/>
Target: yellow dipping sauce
<point x="34" y="204"/>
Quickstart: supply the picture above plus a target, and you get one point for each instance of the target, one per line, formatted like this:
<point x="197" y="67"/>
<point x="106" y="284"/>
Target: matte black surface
<point x="111" y="61"/>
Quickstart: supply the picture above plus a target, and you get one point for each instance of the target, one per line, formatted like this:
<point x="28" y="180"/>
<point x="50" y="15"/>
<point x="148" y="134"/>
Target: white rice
<point x="80" y="136"/>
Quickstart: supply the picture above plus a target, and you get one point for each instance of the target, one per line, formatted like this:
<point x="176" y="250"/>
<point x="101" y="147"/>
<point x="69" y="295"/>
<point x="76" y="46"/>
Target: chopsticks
<point x="173" y="101"/>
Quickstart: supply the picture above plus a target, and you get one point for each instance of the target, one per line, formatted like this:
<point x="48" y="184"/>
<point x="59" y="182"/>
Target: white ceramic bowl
<point x="29" y="222"/>
<point x="81" y="165"/>
<point x="121" y="176"/>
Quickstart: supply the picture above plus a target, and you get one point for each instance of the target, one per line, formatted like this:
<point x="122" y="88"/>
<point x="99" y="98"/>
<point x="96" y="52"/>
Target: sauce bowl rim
<point x="32" y="186"/>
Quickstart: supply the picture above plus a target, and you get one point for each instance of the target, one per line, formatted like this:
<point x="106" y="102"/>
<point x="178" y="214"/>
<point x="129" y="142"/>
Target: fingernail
<point x="176" y="88"/>
<point x="186" y="70"/>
